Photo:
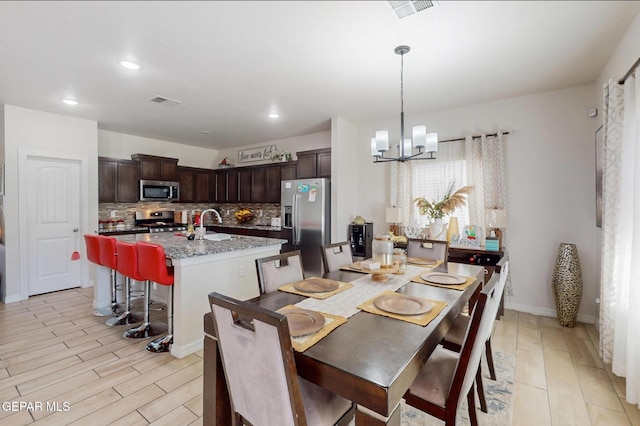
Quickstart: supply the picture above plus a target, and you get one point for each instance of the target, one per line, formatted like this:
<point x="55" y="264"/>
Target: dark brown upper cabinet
<point x="118" y="181"/>
<point x="157" y="168"/>
<point x="314" y="163"/>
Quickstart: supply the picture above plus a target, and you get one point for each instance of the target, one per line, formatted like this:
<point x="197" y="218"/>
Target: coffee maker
<point x="361" y="238"/>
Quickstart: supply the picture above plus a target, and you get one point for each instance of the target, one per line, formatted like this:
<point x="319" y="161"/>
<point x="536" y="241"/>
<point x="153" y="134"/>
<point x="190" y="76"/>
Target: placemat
<point x="342" y="286"/>
<point x="421" y="320"/>
<point x="302" y="343"/>
<point x="470" y="280"/>
<point x="429" y="266"/>
<point x="350" y="269"/>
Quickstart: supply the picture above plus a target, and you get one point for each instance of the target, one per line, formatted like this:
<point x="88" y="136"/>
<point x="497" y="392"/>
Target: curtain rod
<point x="631" y="70"/>
<point x="474" y="137"/>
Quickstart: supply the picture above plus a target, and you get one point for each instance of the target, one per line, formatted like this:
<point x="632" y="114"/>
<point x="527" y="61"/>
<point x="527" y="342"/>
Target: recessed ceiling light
<point x="204" y="132"/>
<point x="70" y="102"/>
<point x="273" y="115"/>
<point x="130" y="65"/>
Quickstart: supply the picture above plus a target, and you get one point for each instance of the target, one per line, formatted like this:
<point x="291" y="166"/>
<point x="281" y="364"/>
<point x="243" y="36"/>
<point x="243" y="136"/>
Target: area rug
<point x="499" y="394"/>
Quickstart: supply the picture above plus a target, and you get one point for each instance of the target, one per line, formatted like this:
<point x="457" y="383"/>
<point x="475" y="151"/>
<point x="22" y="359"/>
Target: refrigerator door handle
<point x="295" y="221"/>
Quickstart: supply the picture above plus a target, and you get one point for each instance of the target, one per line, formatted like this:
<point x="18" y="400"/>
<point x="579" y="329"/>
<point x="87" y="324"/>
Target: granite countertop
<point x="250" y="226"/>
<point x="179" y="247"/>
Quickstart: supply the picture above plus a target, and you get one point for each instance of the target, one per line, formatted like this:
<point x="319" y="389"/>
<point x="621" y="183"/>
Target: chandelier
<point x="423" y="142"/>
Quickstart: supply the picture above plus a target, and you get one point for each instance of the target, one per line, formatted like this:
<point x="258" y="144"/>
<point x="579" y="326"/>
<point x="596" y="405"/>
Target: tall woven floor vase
<point x="567" y="284"/>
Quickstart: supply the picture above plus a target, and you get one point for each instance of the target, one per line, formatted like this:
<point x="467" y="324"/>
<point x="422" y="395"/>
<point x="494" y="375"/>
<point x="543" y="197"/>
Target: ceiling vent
<point x="165" y="101"/>
<point x="406" y="8"/>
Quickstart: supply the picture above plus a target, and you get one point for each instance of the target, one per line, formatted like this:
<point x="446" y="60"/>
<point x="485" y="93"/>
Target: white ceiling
<point x="230" y="63"/>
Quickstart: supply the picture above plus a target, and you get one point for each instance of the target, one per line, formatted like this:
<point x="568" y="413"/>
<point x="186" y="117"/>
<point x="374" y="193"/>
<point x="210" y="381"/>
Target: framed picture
<point x="599" y="176"/>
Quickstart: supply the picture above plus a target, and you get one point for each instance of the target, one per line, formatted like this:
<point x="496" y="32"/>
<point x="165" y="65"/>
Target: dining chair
<point x="276" y="271"/>
<point x="427" y="249"/>
<point x="260" y="370"/>
<point x="455" y="336"/>
<point x="448" y="376"/>
<point x="336" y="255"/>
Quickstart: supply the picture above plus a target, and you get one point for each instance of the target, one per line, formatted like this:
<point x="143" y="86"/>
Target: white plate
<point x="442" y="278"/>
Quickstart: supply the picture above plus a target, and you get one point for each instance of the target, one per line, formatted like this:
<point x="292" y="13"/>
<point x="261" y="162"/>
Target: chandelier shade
<point x="420" y="143"/>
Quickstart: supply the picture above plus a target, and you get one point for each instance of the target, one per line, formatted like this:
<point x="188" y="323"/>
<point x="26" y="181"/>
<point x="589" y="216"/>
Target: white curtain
<point x="620" y="294"/>
<point x="486" y="172"/>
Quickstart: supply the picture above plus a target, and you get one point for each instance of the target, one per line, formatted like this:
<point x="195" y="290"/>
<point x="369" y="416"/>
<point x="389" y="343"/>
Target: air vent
<point x="165" y="101"/>
<point x="406" y="8"/>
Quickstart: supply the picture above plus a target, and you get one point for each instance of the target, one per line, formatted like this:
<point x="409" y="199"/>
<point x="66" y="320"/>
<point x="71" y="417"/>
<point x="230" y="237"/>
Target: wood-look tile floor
<point x="61" y="361"/>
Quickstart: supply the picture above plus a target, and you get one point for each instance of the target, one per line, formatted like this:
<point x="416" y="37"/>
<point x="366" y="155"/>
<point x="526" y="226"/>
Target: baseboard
<point x="13" y="299"/>
<point x="586" y="319"/>
<point x="182" y="351"/>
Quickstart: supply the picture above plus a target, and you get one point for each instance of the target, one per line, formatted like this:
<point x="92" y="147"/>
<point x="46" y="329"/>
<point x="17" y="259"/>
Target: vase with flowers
<point x="281" y="155"/>
<point x="437" y="210"/>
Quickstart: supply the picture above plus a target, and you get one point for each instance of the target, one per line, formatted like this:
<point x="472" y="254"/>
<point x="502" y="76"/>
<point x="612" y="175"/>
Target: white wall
<point x="344" y="177"/>
<point x="551" y="183"/>
<point x="48" y="134"/>
<point x="292" y="145"/>
<point x="120" y="145"/>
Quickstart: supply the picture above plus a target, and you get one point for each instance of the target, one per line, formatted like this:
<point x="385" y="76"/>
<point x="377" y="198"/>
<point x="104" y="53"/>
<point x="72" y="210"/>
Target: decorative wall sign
<point x="256" y="154"/>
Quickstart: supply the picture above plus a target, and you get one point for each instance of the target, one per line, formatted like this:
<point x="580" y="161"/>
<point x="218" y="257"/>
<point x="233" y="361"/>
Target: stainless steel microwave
<point x="156" y="190"/>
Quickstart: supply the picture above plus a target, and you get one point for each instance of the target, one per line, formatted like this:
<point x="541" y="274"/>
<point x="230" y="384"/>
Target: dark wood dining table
<point x="370" y="360"/>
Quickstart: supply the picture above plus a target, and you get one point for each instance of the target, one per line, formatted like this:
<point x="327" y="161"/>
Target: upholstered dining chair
<point x="336" y="255"/>
<point x="276" y="271"/>
<point x="455" y="336"/>
<point x="448" y="376"/>
<point x="260" y="370"/>
<point x="428" y="249"/>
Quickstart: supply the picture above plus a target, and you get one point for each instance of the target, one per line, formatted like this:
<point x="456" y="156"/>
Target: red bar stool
<point x="152" y="265"/>
<point x="127" y="265"/>
<point x="109" y="258"/>
<point x="93" y="254"/>
<point x="147" y="328"/>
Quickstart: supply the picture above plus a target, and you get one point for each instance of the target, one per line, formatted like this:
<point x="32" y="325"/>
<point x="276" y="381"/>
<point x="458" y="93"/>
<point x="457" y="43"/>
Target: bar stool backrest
<point x="152" y="263"/>
<point x="108" y="253"/>
<point x="93" y="248"/>
<point x="128" y="260"/>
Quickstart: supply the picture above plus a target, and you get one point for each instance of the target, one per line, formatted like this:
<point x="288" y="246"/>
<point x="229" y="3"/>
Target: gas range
<point x="160" y="221"/>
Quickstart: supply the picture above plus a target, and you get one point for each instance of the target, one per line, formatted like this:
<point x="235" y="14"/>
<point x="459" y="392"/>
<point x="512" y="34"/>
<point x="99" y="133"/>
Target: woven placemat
<point x="342" y="286"/>
<point x="302" y="343"/>
<point x="422" y="319"/>
<point x="470" y="280"/>
<point x="428" y="266"/>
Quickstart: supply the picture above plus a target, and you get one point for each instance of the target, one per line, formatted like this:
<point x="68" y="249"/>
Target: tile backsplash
<point x="126" y="211"/>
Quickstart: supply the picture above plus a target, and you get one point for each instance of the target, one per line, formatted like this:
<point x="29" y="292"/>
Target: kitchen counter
<point x="200" y="267"/>
<point x="249" y="226"/>
<point x="177" y="246"/>
<point x="123" y="231"/>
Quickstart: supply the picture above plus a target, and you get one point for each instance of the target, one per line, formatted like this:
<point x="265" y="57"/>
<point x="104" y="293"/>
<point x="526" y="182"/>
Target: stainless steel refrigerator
<point x="306" y="211"/>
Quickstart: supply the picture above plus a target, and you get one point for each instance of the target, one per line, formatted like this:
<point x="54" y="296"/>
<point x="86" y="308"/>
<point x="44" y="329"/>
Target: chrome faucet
<point x="202" y="220"/>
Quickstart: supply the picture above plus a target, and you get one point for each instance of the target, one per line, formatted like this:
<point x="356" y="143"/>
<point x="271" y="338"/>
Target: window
<point x="431" y="179"/>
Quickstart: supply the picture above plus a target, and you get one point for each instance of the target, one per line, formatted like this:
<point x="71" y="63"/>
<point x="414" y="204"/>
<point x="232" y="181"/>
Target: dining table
<point x="370" y="359"/>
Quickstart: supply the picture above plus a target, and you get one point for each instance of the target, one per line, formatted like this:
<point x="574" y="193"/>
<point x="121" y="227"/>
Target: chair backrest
<point x="276" y="271"/>
<point x="128" y="260"/>
<point x="258" y="361"/>
<point x="428" y="249"/>
<point x="108" y="252"/>
<point x="336" y="255"/>
<point x="152" y="263"/>
<point x="480" y="326"/>
<point x="93" y="248"/>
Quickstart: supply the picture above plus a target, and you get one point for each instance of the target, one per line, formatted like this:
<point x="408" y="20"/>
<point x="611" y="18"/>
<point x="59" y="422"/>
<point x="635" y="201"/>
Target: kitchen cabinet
<point x="272" y="178"/>
<point x="259" y="185"/>
<point x="118" y="181"/>
<point x="314" y="163"/>
<point x="157" y="168"/>
<point x="244" y="185"/>
<point x="186" y="178"/>
<point x="287" y="172"/>
<point x="196" y="185"/>
<point x="232" y="186"/>
<point x="220" y="187"/>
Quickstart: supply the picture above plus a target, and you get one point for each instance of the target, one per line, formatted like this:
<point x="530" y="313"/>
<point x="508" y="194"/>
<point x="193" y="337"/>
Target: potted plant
<point x="436" y="210"/>
<point x="281" y="155"/>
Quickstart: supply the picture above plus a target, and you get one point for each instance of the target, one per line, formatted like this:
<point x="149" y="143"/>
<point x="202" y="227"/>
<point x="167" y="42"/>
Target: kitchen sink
<point x="217" y="237"/>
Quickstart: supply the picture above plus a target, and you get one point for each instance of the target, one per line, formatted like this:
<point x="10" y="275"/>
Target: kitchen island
<point x="200" y="267"/>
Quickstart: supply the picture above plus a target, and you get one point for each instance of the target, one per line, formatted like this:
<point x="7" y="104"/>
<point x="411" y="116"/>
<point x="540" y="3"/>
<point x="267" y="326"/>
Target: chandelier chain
<point x="402" y="83"/>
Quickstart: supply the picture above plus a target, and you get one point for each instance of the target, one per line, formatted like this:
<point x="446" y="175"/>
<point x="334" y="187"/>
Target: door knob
<point x="75" y="229"/>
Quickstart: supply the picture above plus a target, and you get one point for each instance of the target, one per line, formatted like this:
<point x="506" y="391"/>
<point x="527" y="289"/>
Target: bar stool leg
<point x="127" y="317"/>
<point x="146" y="329"/>
<point x="163" y="344"/>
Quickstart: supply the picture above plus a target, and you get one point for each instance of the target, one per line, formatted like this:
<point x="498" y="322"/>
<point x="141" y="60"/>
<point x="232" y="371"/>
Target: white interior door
<point x="53" y="223"/>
